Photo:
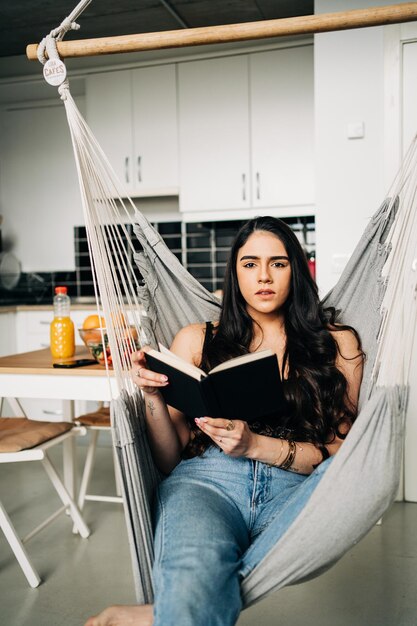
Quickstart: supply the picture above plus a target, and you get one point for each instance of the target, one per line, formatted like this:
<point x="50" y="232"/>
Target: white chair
<point x="96" y="422"/>
<point x="23" y="440"/>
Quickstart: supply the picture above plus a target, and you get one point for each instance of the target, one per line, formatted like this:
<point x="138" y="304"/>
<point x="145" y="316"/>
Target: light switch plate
<point x="356" y="130"/>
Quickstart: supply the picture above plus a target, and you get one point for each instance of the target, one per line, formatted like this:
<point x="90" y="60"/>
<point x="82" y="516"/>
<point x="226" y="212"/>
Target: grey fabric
<point x="171" y="297"/>
<point x="355" y="491"/>
<point x="139" y="479"/>
<point x="361" y="481"/>
<point x="359" y="292"/>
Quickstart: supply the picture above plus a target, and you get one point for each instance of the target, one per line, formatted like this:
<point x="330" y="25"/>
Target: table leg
<point x="69" y="451"/>
<point x="15" y="406"/>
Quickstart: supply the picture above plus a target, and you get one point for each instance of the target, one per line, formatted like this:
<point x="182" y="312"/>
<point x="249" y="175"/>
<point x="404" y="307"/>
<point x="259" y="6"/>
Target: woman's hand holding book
<point x="148" y="381"/>
<point x="234" y="437"/>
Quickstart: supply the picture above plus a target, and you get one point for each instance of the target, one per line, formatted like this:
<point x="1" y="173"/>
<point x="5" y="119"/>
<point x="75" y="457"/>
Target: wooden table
<point x="31" y="375"/>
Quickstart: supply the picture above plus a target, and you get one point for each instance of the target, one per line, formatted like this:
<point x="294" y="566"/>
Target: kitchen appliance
<point x="10" y="270"/>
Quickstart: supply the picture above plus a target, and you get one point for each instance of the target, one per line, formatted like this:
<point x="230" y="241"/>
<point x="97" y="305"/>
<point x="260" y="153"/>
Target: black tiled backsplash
<point x="173" y="243"/>
<point x="116" y="236"/>
<point x="169" y="228"/>
<point x="202" y="247"/>
<point x="39" y="288"/>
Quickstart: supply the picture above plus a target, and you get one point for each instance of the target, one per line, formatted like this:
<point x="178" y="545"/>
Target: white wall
<point x="349" y="88"/>
<point x="353" y="83"/>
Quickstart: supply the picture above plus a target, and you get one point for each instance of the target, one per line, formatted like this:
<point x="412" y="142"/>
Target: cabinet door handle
<point x="139" y="169"/>
<point x="44" y="322"/>
<point x="258" y="186"/>
<point x="49" y="412"/>
<point x="243" y="186"/>
<point x="45" y="345"/>
<point x="127" y="169"/>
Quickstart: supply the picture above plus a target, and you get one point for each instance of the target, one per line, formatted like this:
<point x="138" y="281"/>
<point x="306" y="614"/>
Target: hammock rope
<point x="376" y="294"/>
<point x="58" y="33"/>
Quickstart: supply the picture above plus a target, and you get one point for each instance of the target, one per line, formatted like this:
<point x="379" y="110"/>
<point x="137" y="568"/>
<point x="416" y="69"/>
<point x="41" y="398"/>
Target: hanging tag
<point x="54" y="72"/>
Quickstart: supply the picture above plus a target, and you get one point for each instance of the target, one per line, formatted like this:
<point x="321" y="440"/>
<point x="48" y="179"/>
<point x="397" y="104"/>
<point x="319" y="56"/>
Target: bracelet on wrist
<point x="277" y="460"/>
<point x="289" y="459"/>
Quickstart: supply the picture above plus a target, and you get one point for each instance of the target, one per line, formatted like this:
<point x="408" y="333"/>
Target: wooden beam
<point x="308" y="24"/>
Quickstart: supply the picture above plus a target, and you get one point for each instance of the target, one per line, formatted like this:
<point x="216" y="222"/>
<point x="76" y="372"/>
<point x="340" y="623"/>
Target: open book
<point x="246" y="387"/>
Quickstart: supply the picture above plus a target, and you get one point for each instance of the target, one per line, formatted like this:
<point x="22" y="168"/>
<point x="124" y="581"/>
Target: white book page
<point x="244" y="358"/>
<point x="166" y="356"/>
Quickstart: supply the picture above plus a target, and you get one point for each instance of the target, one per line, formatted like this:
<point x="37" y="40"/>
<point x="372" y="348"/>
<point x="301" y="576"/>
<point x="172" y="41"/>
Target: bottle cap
<point x="61" y="290"/>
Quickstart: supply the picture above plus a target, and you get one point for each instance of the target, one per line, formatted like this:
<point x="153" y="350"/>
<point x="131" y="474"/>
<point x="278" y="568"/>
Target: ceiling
<point x="28" y="21"/>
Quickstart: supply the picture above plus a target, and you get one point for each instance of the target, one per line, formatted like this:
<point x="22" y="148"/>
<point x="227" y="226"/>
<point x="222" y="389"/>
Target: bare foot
<point x="120" y="615"/>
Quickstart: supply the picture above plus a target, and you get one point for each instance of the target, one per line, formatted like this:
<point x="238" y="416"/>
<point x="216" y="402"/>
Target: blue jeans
<point x="216" y="517"/>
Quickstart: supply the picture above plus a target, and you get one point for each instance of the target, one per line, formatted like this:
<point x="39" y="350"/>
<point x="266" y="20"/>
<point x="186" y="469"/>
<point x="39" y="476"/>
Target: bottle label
<point x="62" y="338"/>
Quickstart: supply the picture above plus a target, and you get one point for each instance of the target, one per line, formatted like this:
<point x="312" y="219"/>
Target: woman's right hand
<point x="148" y="381"/>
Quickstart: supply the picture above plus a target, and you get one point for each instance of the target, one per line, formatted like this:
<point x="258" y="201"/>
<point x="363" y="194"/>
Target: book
<point x="246" y="387"/>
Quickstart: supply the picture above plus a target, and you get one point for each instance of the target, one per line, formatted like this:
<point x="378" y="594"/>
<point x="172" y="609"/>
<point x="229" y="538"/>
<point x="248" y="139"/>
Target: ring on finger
<point x="138" y="373"/>
<point x="230" y="425"/>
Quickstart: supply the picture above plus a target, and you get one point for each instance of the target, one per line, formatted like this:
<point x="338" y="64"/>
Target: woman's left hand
<point x="233" y="436"/>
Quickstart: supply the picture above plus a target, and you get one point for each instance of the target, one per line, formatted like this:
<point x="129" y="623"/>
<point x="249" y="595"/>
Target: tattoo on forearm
<point x="151" y="406"/>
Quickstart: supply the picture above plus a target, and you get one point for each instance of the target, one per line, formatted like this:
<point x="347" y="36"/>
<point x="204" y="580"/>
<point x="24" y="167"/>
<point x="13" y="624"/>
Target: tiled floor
<point x="374" y="585"/>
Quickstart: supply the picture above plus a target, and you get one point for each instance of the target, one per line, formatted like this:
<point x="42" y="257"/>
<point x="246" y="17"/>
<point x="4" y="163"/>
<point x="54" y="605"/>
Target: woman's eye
<point x="249" y="265"/>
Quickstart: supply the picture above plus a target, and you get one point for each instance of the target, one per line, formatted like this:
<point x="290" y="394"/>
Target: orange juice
<point x="62" y="338"/>
<point x="62" y="328"/>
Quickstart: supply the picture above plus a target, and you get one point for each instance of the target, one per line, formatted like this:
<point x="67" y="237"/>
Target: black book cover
<point x="184" y="392"/>
<point x="248" y="391"/>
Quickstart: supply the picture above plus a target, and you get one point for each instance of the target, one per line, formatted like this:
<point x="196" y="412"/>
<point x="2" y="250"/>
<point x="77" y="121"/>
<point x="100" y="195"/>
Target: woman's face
<point x="263" y="273"/>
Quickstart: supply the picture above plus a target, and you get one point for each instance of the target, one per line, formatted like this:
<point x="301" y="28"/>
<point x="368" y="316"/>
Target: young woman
<point x="232" y="489"/>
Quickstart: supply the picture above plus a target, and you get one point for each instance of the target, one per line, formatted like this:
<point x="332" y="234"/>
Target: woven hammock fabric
<point x="361" y="481"/>
<point x="139" y="480"/>
<point x="171" y="297"/>
<point x="360" y="290"/>
<point x="357" y="487"/>
<point x="376" y="294"/>
<point x="337" y="506"/>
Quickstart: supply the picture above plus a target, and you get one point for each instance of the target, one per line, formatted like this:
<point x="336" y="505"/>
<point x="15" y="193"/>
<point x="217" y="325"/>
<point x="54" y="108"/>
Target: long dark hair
<point x="315" y="389"/>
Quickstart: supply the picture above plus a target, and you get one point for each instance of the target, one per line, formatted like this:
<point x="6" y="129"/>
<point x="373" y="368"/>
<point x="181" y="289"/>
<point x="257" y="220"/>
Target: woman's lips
<point x="265" y="292"/>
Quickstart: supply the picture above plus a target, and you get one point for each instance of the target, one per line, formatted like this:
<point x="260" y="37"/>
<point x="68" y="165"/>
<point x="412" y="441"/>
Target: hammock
<point x="348" y="493"/>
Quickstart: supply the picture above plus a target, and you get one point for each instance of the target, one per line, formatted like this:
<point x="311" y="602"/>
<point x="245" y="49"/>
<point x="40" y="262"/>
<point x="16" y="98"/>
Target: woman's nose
<point x="264" y="276"/>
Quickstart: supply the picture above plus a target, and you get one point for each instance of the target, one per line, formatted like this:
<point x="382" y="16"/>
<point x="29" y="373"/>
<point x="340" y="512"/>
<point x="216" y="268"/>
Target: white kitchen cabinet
<point x="282" y="127"/>
<point x="155" y="129"/>
<point x="7" y="333"/>
<point x="39" y="193"/>
<point x="33" y="328"/>
<point x="109" y="115"/>
<point x="133" y="114"/>
<point x="214" y="134"/>
<point x="246" y="131"/>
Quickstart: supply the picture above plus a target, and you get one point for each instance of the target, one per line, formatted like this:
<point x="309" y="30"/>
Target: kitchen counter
<point x="40" y="362"/>
<point x="15" y="308"/>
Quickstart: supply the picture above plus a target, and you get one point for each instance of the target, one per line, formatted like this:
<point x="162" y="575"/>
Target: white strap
<point x="58" y="33"/>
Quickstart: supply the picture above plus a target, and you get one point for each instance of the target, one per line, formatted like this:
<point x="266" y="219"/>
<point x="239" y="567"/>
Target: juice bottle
<point x="62" y="327"/>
